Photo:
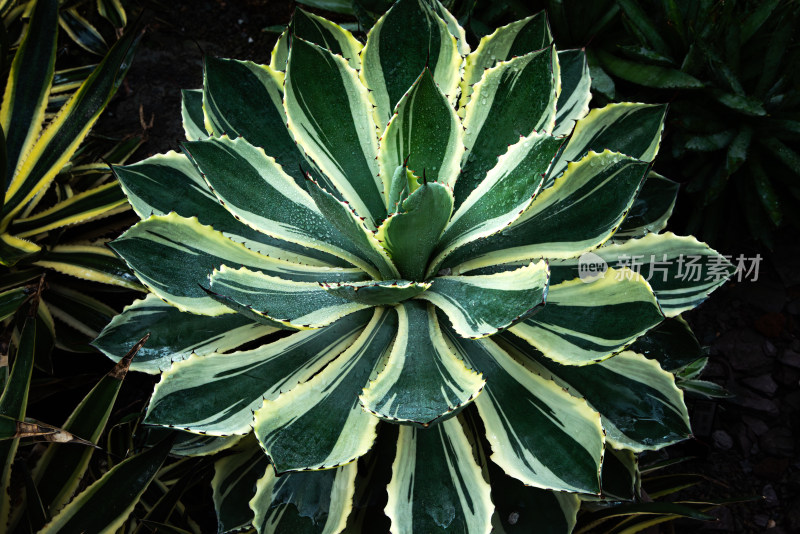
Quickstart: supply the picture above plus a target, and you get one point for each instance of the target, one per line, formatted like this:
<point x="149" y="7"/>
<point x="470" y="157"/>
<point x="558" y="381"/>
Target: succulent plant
<point x="54" y="184"/>
<point x="394" y="236"/>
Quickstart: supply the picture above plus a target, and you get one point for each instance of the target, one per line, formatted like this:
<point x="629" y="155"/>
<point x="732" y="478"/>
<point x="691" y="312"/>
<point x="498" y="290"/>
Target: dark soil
<point x="747" y="446"/>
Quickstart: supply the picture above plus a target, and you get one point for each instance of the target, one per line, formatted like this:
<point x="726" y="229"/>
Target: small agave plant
<point x="412" y="216"/>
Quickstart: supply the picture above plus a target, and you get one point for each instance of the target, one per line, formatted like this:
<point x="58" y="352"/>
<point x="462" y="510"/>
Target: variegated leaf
<point x="630" y="129"/>
<point x="234" y="485"/>
<point x="651" y="209"/>
<point x="296" y="304"/>
<point x="640" y="405"/>
<point x="102" y="201"/>
<point x="173" y="256"/>
<point x="28" y="85"/>
<point x="320" y="424"/>
<point x="341" y="216"/>
<point x="217" y="393"/>
<point x="254" y="188"/>
<point x="436" y="485"/>
<point x="89" y="262"/>
<point x="326" y="34"/>
<point x="531" y="422"/>
<point x="479" y="306"/>
<point x="405" y="40"/>
<point x="424" y="134"/>
<point x="62" y="136"/>
<point x="577" y="214"/>
<point x="521" y="509"/>
<point x="169" y="182"/>
<point x="672" y="344"/>
<point x="515" y="39"/>
<point x="503" y="195"/>
<point x="244" y="99"/>
<point x="174" y="335"/>
<point x="573" y="102"/>
<point x="329" y="115"/>
<point x="514" y="99"/>
<point x="422" y="379"/>
<point x="314" y="502"/>
<point x="681" y="271"/>
<point x="584" y="323"/>
<point x="192" y="114"/>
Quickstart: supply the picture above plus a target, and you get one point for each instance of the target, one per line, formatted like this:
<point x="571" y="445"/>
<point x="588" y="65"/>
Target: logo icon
<point x="591" y="267"/>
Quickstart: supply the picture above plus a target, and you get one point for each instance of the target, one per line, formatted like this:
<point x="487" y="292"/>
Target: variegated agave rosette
<point x="411" y="215"/>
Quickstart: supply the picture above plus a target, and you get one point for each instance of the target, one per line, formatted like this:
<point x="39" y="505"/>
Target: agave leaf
<point x="59" y="141"/>
<point x="326" y="34"/>
<point x="514" y="99"/>
<point x="280" y="52"/>
<point x="640" y="405"/>
<point x="620" y="475"/>
<point x="217" y="393"/>
<point x="13" y="249"/>
<point x="192" y="114"/>
<point x="515" y="39"/>
<point x="106" y="504"/>
<point x="295" y="304"/>
<point x="436" y="485"/>
<point x="329" y="115"/>
<point x="174" y="335"/>
<point x="320" y="424"/>
<point x="82" y="32"/>
<point x="377" y="293"/>
<point x="13" y="403"/>
<point x="241" y="98"/>
<point x="11" y="300"/>
<point x="424" y="135"/>
<point x="630" y="129"/>
<point x="422" y="380"/>
<point x="651" y="209"/>
<point x="253" y="187"/>
<point x="89" y="262"/>
<point x="405" y="40"/>
<point x="636" y="14"/>
<point x="60" y="470"/>
<point x="313" y="502"/>
<point x="573" y="102"/>
<point x="672" y="344"/>
<point x="169" y="182"/>
<point x="562" y="221"/>
<point x="113" y="12"/>
<point x="479" y="306"/>
<point x="410" y="235"/>
<point x="681" y="271"/>
<point x="28" y="85"/>
<point x="647" y="75"/>
<point x="584" y="323"/>
<point x="521" y="509"/>
<point x="233" y="486"/>
<point x="530" y="421"/>
<point x="502" y="196"/>
<point x="102" y="201"/>
<point x="342" y="217"/>
<point x="174" y="256"/>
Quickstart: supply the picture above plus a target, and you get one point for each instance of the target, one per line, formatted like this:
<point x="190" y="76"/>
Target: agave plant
<point x="54" y="183"/>
<point x="77" y="28"/>
<point x="391" y="234"/>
